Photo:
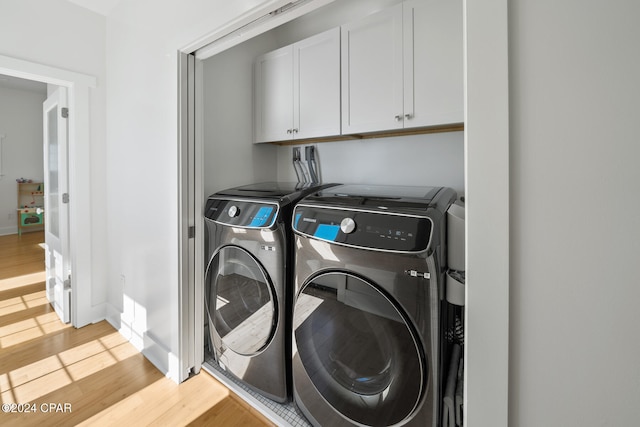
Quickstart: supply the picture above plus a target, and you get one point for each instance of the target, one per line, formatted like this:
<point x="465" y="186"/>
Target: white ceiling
<point x="103" y="7"/>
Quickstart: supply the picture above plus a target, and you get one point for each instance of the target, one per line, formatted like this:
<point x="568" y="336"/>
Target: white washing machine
<point x="369" y="275"/>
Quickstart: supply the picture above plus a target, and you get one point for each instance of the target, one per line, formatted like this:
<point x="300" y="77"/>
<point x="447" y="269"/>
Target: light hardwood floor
<point x="92" y="375"/>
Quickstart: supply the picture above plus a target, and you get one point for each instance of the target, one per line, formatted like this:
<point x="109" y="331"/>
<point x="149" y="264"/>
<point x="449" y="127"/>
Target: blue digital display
<point x="295" y="223"/>
<point x="327" y="232"/>
<point x="262" y="216"/>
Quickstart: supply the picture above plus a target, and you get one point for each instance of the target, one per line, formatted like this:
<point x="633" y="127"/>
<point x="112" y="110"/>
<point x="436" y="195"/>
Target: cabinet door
<point x="372" y="72"/>
<point x="274" y="95"/>
<point x="433" y="71"/>
<point x="316" y="85"/>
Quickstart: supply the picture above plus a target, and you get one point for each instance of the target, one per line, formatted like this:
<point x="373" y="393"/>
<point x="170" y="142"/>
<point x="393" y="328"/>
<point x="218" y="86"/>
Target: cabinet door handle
<point x="408" y="116"/>
<point x="398" y="118"/>
<point x="295" y="131"/>
<point x="289" y="131"/>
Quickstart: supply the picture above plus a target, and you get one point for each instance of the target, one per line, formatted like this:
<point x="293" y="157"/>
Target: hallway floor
<point x="54" y="374"/>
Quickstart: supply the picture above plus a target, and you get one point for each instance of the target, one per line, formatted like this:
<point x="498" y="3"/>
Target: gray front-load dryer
<point x="366" y="316"/>
<point x="248" y="283"/>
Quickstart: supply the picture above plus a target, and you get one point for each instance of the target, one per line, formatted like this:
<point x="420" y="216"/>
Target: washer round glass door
<point x="240" y="301"/>
<point x="360" y="353"/>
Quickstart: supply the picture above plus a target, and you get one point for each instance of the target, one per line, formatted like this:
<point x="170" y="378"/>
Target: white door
<point x="56" y="203"/>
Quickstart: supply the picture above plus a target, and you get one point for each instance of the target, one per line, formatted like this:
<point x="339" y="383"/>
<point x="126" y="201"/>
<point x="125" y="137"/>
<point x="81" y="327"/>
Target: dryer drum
<point x="358" y="350"/>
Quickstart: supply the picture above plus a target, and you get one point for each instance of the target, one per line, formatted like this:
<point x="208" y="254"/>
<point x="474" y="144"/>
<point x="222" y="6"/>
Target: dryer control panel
<point x="374" y="230"/>
<point x="241" y="213"/>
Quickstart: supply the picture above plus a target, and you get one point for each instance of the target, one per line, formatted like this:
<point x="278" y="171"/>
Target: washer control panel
<point x="241" y="213"/>
<point x="391" y="232"/>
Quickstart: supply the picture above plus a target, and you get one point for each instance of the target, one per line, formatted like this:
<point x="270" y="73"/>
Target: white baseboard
<point x="113" y="316"/>
<point x="144" y="342"/>
<point x="5" y="231"/>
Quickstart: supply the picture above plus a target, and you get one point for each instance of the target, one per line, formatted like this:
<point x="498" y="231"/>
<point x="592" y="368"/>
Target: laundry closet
<point x="255" y="120"/>
<point x="232" y="156"/>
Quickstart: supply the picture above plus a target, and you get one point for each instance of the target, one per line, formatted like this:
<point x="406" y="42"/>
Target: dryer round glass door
<point x="240" y="301"/>
<point x="358" y="349"/>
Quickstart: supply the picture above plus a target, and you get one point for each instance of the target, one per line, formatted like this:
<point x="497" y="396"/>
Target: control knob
<point x="347" y="225"/>
<point x="233" y="211"/>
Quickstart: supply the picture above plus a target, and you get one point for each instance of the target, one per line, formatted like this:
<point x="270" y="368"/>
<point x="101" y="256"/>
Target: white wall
<point x="427" y="160"/>
<point x="575" y="221"/>
<point x="230" y="157"/>
<point x="22" y="156"/>
<point x="59" y="34"/>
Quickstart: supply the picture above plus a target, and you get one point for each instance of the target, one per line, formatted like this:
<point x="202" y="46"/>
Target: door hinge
<point x="65" y="197"/>
<point x="65" y="112"/>
<point x="192" y="232"/>
<point x="67" y="283"/>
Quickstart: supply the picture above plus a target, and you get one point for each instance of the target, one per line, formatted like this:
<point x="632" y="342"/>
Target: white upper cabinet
<point x="297" y="90"/>
<point x="402" y="67"/>
<point x="274" y="95"/>
<point x="372" y="90"/>
<point x="316" y="85"/>
<point x="433" y="68"/>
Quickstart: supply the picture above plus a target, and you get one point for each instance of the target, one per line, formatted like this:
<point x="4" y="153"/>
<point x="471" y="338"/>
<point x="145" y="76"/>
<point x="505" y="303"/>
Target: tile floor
<point x="282" y="414"/>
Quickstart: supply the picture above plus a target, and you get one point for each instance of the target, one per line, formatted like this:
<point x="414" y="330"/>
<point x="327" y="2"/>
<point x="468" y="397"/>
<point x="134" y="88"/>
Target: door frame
<point x="486" y="148"/>
<point x="79" y="171"/>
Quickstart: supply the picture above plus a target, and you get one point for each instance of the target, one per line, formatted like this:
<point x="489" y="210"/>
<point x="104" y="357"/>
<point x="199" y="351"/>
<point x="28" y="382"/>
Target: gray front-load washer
<point x="366" y="318"/>
<point x="248" y="282"/>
